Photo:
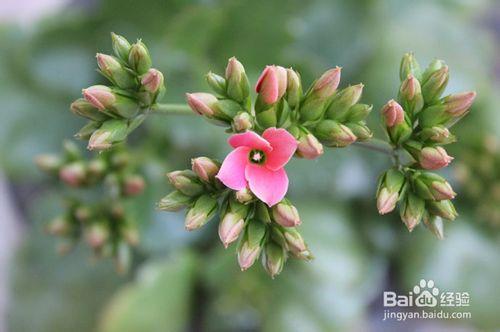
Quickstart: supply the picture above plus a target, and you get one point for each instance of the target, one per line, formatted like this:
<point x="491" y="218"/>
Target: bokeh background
<point x="185" y="281"/>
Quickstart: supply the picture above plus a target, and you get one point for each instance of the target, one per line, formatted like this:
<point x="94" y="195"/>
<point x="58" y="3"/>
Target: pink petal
<point x="283" y="147"/>
<point x="251" y="140"/>
<point x="269" y="186"/>
<point x="232" y="171"/>
<point x="268" y="86"/>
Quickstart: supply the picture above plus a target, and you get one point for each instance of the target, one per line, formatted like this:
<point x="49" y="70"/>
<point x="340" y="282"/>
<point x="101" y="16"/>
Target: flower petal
<point x="283" y="147"/>
<point x="251" y="140"/>
<point x="232" y="171"/>
<point x="269" y="186"/>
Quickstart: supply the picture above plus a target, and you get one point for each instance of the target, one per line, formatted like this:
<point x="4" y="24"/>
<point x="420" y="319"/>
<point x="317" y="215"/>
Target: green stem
<point x="377" y="145"/>
<point x="172" y="109"/>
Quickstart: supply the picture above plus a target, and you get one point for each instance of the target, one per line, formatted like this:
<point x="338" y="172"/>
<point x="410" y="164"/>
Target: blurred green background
<point x="186" y="281"/>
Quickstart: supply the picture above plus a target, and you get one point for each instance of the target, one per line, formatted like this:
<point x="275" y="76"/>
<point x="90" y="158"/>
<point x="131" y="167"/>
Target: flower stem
<point x="172" y="109"/>
<point x="377" y="145"/>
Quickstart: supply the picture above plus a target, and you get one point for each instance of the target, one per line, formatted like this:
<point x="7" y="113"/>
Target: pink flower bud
<point x="230" y="228"/>
<point x="195" y="219"/>
<point x="309" y="147"/>
<point x="242" y="122"/>
<point x="345" y="136"/>
<point x="457" y="105"/>
<point x="205" y="168"/>
<point x="107" y="64"/>
<point x="442" y="190"/>
<point x="100" y="96"/>
<point x="234" y="69"/>
<point x="201" y="103"/>
<point x="393" y="113"/>
<point x="326" y="85"/>
<point x="96" y="235"/>
<point x="410" y="87"/>
<point x="286" y="214"/>
<point x="134" y="185"/>
<point x="247" y="255"/>
<point x="272" y="83"/>
<point x="244" y="195"/>
<point x="73" y="174"/>
<point x="434" y="158"/>
<point x="99" y="140"/>
<point x="152" y="80"/>
<point x="386" y="201"/>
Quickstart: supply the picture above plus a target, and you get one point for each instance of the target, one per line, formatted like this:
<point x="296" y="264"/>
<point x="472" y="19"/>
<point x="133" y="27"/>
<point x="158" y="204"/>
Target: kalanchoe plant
<point x="247" y="190"/>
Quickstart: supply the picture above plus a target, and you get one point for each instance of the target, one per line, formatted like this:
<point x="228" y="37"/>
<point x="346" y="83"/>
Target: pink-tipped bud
<point x="205" y="168"/>
<point x="457" y="105"/>
<point x="272" y="83"/>
<point x="152" y="81"/>
<point x="247" y="255"/>
<point x="434" y="158"/>
<point x="393" y="113"/>
<point x="230" y="228"/>
<point x="100" y="96"/>
<point x="309" y="147"/>
<point x="244" y="195"/>
<point x="134" y="185"/>
<point x="286" y="214"/>
<point x="242" y="122"/>
<point x="326" y="85"/>
<point x="234" y="69"/>
<point x="345" y="136"/>
<point x="73" y="174"/>
<point x="201" y="103"/>
<point x="96" y="235"/>
<point x="386" y="201"/>
<point x="442" y="190"/>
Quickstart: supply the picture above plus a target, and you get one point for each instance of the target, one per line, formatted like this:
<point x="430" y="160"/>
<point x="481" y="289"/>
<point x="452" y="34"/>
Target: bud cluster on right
<point x="417" y="125"/>
<point x="115" y="111"/>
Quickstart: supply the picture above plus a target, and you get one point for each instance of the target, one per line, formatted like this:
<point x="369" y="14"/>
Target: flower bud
<point x="393" y="114"/>
<point x="327" y="84"/>
<point x="412" y="210"/>
<point x="251" y="245"/>
<point x="442" y="190"/>
<point x="130" y="234"/>
<point x="358" y="112"/>
<point x="205" y="168"/>
<point x="342" y="102"/>
<point x="443" y="209"/>
<point x="435" y="84"/>
<point x="87" y="130"/>
<point x="202" y="103"/>
<point x="230" y="228"/>
<point x="332" y="133"/>
<point x="458" y="105"/>
<point x="435" y="225"/>
<point x="243" y="121"/>
<point x="121" y="46"/>
<point x="174" y="201"/>
<point x="285" y="214"/>
<point x="186" y="182"/>
<point x="111" y="132"/>
<point x="152" y="81"/>
<point x="99" y="96"/>
<point x="133" y="185"/>
<point x="59" y="226"/>
<point x="389" y="189"/>
<point x="48" y="163"/>
<point x="96" y="234"/>
<point x="83" y="108"/>
<point x="360" y="130"/>
<point x="293" y="89"/>
<point x="96" y="168"/>
<point x="434" y="158"/>
<point x="410" y="95"/>
<point x="438" y="134"/>
<point x="237" y="87"/>
<point x="409" y="66"/>
<point x="83" y="214"/>
<point x="73" y="174"/>
<point x="272" y="84"/>
<point x="247" y="255"/>
<point x="274" y="259"/>
<point x="386" y="201"/>
<point x="115" y="72"/>
<point x="431" y="186"/>
<point x="309" y="147"/>
<point x="139" y="58"/>
<point x="296" y="243"/>
<point x="244" y="195"/>
<point x="217" y="83"/>
<point x="203" y="210"/>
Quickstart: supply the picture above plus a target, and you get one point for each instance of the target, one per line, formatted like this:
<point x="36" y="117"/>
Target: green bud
<point x="433" y="116"/>
<point x="251" y="244"/>
<point x="217" y="83"/>
<point x="139" y="58"/>
<point x="389" y="190"/>
<point x="410" y="95"/>
<point x="226" y="109"/>
<point x="232" y="222"/>
<point x="268" y="118"/>
<point x="186" y="182"/>
<point x="435" y="84"/>
<point x="443" y="209"/>
<point x="121" y="46"/>
<point x="203" y="210"/>
<point x="242" y="122"/>
<point x="435" y="225"/>
<point x="434" y="66"/>
<point x="412" y="210"/>
<point x="285" y="214"/>
<point x="112" y="69"/>
<point x="360" y="130"/>
<point x="205" y="168"/>
<point x="332" y="133"/>
<point x="262" y="212"/>
<point x="274" y="259"/>
<point x="438" y="134"/>
<point x="111" y="132"/>
<point x="244" y="196"/>
<point x="237" y="87"/>
<point x="293" y="89"/>
<point x="401" y="132"/>
<point x="123" y="105"/>
<point x="296" y="244"/>
<point x="174" y="201"/>
<point x="83" y="108"/>
<point x="409" y="66"/>
<point x="71" y="151"/>
<point x="431" y="186"/>
<point x="358" y="112"/>
<point x="86" y="131"/>
<point x="342" y="102"/>
<point x="312" y="109"/>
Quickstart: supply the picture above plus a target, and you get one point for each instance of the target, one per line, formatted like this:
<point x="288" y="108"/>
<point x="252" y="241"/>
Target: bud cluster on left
<point x="115" y="111"/>
<point x="102" y="222"/>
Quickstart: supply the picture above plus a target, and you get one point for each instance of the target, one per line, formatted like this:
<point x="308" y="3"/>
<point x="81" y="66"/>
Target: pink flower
<point x="258" y="162"/>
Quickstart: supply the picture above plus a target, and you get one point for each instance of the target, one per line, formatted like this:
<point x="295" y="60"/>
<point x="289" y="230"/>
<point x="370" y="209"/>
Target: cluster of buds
<point x="417" y="124"/>
<point x="115" y="111"/>
<point x="322" y="114"/>
<point x="261" y="231"/>
<point x="478" y="175"/>
<point x="105" y="226"/>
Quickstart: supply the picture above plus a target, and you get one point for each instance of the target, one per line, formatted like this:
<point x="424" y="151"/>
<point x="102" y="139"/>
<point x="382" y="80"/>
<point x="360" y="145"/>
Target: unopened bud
<point x="205" y="168"/>
<point x="133" y="185"/>
<point x="334" y="134"/>
<point x="243" y="121"/>
<point x="202" y="103"/>
<point x="59" y="226"/>
<point x="434" y="158"/>
<point x="152" y="81"/>
<point x="251" y="245"/>
<point x="186" y="182"/>
<point x="435" y="84"/>
<point x="435" y="225"/>
<point x="296" y="243"/>
<point x="111" y="132"/>
<point x="285" y="214"/>
<point x="174" y="201"/>
<point x="96" y="168"/>
<point x="411" y="95"/>
<point x="409" y="66"/>
<point x="99" y="96"/>
<point x="83" y="108"/>
<point x="438" y="134"/>
<point x="217" y="83"/>
<point x="444" y="209"/>
<point x="360" y="130"/>
<point x="121" y="46"/>
<point x="274" y="259"/>
<point x="271" y="85"/>
<point x="237" y="87"/>
<point x="48" y="163"/>
<point x="293" y="89"/>
<point x="389" y="188"/>
<point x="111" y="68"/>
<point x="203" y="210"/>
<point x="327" y="84"/>
<point x="442" y="190"/>
<point x="230" y="228"/>
<point x="87" y="130"/>
<point x="247" y="255"/>
<point x="393" y="113"/>
<point x="139" y="58"/>
<point x="386" y="201"/>
<point x="309" y="147"/>
<point x="73" y="174"/>
<point x="412" y="210"/>
<point x="96" y="234"/>
<point x="358" y="112"/>
<point x="244" y="195"/>
<point x="431" y="186"/>
<point x="342" y="102"/>
<point x="458" y="105"/>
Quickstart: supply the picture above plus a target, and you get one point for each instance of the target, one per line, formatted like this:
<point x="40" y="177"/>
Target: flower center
<point x="257" y="156"/>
